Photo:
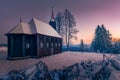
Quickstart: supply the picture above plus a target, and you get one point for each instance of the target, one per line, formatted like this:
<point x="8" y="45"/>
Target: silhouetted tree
<point x="102" y="40"/>
<point x="116" y="47"/>
<point x="59" y="23"/>
<point x="69" y="23"/>
<point x="81" y="45"/>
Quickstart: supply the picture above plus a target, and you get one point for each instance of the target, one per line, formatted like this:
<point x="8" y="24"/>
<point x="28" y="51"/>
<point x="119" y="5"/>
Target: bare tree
<point x="70" y="30"/>
<point x="60" y="25"/>
<point x="65" y="23"/>
<point x="59" y="22"/>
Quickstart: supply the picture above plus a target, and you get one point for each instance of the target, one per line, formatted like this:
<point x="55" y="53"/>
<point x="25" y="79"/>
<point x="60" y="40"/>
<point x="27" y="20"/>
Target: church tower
<point x="52" y="21"/>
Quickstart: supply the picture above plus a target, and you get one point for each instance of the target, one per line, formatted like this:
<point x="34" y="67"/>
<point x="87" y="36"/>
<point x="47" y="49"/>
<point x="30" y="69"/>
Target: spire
<point x="52" y="16"/>
<point x="52" y="20"/>
<point x="20" y="20"/>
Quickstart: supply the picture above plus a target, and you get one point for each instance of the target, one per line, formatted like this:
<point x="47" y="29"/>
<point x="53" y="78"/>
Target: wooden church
<point x="34" y="39"/>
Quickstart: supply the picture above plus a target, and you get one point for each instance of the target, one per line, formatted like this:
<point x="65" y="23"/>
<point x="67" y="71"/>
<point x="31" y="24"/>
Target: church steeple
<point x="52" y="20"/>
<point x="52" y="16"/>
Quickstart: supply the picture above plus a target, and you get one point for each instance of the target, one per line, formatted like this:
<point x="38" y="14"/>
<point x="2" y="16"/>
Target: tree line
<point x="102" y="41"/>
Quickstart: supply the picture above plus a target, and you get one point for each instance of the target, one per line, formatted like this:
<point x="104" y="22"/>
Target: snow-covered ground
<point x="3" y="49"/>
<point x="57" y="61"/>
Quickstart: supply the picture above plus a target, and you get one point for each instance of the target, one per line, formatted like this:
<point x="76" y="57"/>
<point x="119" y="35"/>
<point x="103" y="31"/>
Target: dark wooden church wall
<point x="16" y="50"/>
<point x="58" y="45"/>
<point x="34" y="46"/>
<point x="55" y="45"/>
<point x="52" y="50"/>
<point x="44" y="46"/>
<point x="28" y="45"/>
<point x="48" y="39"/>
<point x="18" y="45"/>
<point x="61" y="45"/>
<point x="10" y="46"/>
<point x="47" y="45"/>
<point x="39" y="43"/>
<point x="23" y="45"/>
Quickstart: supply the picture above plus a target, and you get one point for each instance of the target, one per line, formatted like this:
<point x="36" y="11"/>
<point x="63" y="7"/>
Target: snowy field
<point x="57" y="62"/>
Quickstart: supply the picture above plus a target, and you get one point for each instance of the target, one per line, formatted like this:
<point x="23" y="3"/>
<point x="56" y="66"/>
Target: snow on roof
<point x="43" y="28"/>
<point x="21" y="27"/>
<point x="34" y="26"/>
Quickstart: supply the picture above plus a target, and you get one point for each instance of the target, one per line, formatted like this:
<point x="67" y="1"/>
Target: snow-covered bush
<point x="115" y="64"/>
<point x="85" y="70"/>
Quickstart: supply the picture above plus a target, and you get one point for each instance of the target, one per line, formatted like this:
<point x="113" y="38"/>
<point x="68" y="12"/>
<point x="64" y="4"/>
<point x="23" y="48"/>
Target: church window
<point x="52" y="45"/>
<point x="41" y="44"/>
<point x="59" y="44"/>
<point x="27" y="45"/>
<point x="55" y="44"/>
<point x="47" y="45"/>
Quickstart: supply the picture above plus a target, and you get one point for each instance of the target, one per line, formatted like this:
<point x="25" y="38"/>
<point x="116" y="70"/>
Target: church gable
<point x="43" y="28"/>
<point x="33" y="27"/>
<point x="21" y="28"/>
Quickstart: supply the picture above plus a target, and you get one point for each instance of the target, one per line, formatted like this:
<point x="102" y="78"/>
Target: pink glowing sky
<point x="88" y="14"/>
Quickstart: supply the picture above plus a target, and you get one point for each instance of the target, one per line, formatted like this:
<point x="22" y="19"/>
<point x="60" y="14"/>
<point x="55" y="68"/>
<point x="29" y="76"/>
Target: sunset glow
<point x="88" y="14"/>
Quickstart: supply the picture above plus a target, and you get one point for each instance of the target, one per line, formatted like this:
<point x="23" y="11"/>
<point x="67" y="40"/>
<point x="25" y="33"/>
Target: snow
<point x="43" y="28"/>
<point x="58" y="61"/>
<point x="3" y="49"/>
<point x="34" y="26"/>
<point x="21" y="27"/>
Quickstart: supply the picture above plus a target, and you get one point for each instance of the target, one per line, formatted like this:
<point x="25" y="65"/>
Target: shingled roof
<point x="35" y="26"/>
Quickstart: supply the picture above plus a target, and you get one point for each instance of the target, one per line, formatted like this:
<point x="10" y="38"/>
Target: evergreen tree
<point x="116" y="47"/>
<point x="82" y="46"/>
<point x="102" y="40"/>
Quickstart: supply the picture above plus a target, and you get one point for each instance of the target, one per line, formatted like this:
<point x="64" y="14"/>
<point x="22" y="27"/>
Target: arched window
<point x="55" y="44"/>
<point x="27" y="45"/>
<point x="52" y="45"/>
<point x="41" y="44"/>
<point x="47" y="45"/>
<point x="59" y="44"/>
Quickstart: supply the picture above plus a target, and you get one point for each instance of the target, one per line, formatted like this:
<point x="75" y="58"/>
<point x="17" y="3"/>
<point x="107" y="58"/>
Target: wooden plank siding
<point x="47" y="45"/>
<point x="17" y="46"/>
<point x="36" y="46"/>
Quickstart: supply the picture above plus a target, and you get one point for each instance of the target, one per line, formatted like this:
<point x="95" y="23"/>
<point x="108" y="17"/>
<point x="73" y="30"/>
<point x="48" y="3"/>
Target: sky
<point x="88" y="14"/>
